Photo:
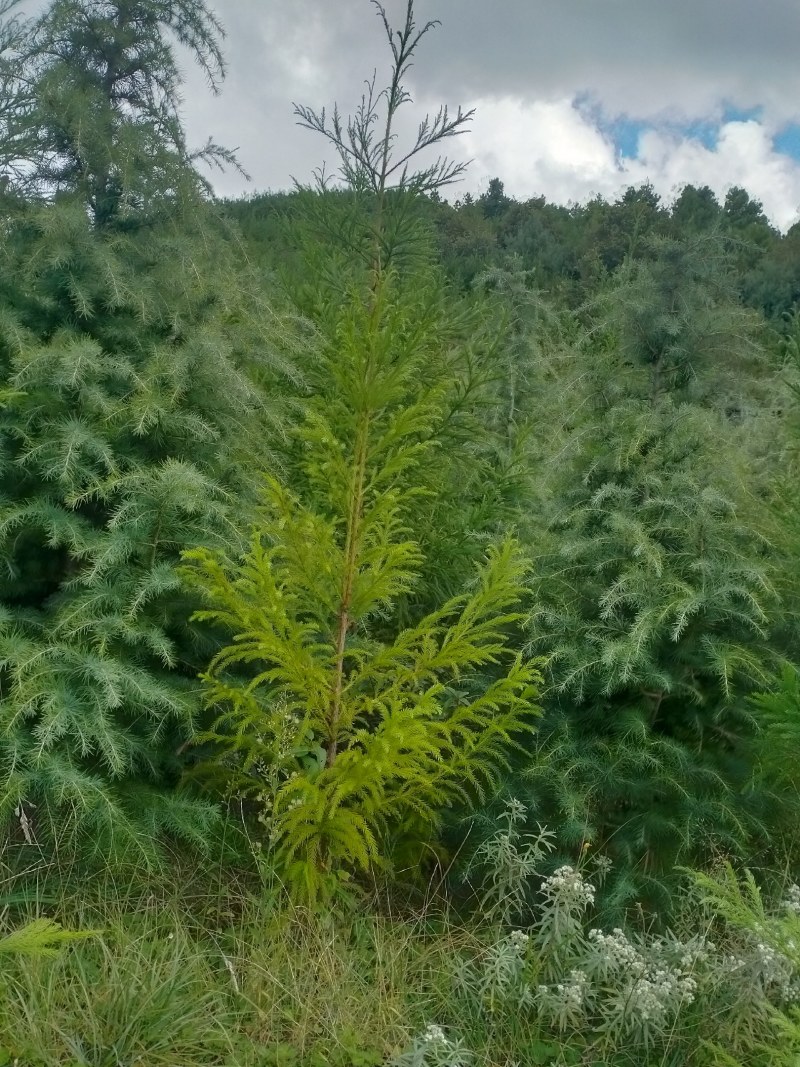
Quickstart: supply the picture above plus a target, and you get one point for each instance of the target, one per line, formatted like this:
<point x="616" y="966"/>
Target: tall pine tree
<point x="130" y="346"/>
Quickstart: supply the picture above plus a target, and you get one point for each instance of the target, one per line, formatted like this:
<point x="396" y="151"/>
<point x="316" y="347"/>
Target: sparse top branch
<point x="370" y="159"/>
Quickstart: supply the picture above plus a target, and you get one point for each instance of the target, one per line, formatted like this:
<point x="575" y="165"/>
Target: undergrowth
<point x="209" y="969"/>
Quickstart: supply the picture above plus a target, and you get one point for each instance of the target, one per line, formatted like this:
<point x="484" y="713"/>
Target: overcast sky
<point x="572" y="97"/>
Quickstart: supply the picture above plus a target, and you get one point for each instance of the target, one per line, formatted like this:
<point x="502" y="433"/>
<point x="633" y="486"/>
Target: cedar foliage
<point x="655" y="599"/>
<point x="347" y="725"/>
<point x="39" y="937"/>
<point x="654" y="613"/>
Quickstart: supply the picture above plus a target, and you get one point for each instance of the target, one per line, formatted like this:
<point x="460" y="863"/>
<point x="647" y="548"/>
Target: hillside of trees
<point x="572" y="252"/>
<point x="399" y="593"/>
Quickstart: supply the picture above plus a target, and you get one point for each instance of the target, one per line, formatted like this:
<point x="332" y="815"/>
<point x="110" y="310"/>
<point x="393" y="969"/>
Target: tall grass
<point x="209" y="968"/>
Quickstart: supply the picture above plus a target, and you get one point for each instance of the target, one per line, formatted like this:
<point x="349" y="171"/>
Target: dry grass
<point x="176" y="978"/>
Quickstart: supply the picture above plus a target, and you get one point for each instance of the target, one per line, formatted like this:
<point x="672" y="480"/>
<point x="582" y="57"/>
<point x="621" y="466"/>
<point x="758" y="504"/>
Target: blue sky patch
<point x="788" y="141"/>
<point x="742" y="114"/>
<point x="707" y="133"/>
<point x="625" y="132"/>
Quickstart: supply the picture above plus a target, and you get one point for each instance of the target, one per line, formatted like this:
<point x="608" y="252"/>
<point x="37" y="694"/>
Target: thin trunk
<point x="344" y="619"/>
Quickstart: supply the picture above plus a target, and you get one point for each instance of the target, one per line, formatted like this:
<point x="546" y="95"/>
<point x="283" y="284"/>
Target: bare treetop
<point x="370" y="159"/>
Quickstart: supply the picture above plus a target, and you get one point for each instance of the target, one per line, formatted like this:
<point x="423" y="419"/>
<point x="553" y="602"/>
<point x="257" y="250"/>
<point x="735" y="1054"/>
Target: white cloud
<point x="524" y="63"/>
<point x="544" y="147"/>
<point x="554" y="148"/>
<point x="743" y="155"/>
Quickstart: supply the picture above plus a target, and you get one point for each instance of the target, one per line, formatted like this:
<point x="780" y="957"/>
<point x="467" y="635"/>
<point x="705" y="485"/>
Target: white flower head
<point x="435" y="1035"/>
<point x="792" y="902"/>
<point x="568" y="888"/>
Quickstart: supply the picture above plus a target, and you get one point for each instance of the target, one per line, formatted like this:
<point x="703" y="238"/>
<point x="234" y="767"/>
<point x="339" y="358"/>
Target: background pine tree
<point x="136" y="355"/>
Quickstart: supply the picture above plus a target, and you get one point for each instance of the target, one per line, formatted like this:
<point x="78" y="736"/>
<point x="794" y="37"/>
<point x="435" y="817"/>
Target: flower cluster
<point x="434" y="1035"/>
<point x="433" y="1048"/>
<point x="652" y="998"/>
<point x="565" y="897"/>
<point x="565" y="1003"/>
<point x="573" y="992"/>
<point x="792" y="902"/>
<point x="611" y="952"/>
<point x="519" y="939"/>
<point x="695" y="952"/>
<point x="567" y="888"/>
<point x="773" y="972"/>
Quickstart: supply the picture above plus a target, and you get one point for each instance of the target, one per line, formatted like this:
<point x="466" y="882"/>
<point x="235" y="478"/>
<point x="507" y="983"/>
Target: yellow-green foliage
<point x="39" y="937"/>
<point x="338" y="720"/>
<point x="342" y="722"/>
<point x="338" y="747"/>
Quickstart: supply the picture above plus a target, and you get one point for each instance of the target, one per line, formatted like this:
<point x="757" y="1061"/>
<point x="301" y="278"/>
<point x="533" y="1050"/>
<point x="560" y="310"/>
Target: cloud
<point x="530" y="66"/>
<point x="643" y="58"/>
<point x="541" y="147"/>
<point x="743" y="155"/>
<point x="554" y="148"/>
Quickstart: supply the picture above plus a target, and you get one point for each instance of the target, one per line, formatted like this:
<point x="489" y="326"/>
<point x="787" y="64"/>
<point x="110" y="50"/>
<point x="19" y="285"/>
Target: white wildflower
<point x="602" y="865"/>
<point x="612" y="952"/>
<point x="573" y="992"/>
<point x="792" y="902"/>
<point x="519" y="939"/>
<point x="564" y="1003"/>
<point x="434" y="1035"/>
<point x="568" y="887"/>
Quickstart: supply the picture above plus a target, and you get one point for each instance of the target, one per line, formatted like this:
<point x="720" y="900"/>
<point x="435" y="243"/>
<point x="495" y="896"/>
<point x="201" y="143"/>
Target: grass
<point x="216" y="974"/>
<point x="204" y="968"/>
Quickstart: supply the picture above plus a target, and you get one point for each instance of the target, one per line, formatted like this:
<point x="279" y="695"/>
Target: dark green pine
<point x="136" y="360"/>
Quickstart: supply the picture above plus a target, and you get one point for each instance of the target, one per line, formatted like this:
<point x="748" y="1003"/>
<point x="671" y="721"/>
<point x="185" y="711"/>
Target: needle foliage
<point x="342" y="723"/>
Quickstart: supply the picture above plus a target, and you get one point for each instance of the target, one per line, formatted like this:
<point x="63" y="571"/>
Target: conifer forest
<point x="399" y="591"/>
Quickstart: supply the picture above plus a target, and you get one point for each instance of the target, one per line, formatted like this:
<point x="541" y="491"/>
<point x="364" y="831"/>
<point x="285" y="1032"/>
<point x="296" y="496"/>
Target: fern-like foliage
<point x="676" y="315"/>
<point x="654" y="612"/>
<point x="343" y="722"/>
<point x="344" y="726"/>
<point x="40" y="937"/>
<point x="655" y="602"/>
<point x="775" y="748"/>
<point x="671" y="569"/>
<point x="124" y="443"/>
<point x="134" y="353"/>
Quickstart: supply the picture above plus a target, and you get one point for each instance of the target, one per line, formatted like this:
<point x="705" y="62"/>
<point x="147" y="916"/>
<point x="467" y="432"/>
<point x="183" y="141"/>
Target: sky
<point x="573" y="98"/>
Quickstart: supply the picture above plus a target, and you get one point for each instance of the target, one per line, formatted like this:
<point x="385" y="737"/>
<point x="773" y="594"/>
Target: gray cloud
<point x="522" y="63"/>
<point x="639" y="57"/>
<point x="648" y="60"/>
